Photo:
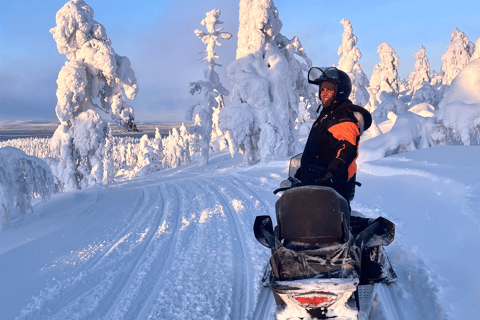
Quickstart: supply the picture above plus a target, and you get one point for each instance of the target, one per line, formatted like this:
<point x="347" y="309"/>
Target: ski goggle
<point x="318" y="75"/>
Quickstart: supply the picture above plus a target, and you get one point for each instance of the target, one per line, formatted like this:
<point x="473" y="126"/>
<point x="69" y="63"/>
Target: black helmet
<point x="344" y="84"/>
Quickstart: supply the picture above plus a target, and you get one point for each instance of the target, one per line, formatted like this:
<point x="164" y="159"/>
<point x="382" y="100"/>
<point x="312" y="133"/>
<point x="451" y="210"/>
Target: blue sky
<point x="157" y="36"/>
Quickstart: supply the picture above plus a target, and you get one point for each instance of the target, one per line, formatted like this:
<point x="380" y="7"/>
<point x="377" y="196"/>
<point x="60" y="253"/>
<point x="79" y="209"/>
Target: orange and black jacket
<point x="333" y="146"/>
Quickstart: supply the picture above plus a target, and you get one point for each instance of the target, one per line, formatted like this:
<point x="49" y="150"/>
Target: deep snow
<point x="179" y="244"/>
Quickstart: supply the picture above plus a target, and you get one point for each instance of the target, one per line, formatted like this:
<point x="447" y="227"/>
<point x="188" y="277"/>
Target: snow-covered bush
<point x="459" y="110"/>
<point x="388" y="104"/>
<point x="211" y="86"/>
<point x="425" y="93"/>
<point x="422" y="71"/>
<point x="384" y="76"/>
<point x="93" y="71"/>
<point x="267" y="84"/>
<point x="457" y="55"/>
<point x="22" y="178"/>
<point x="410" y="132"/>
<point x="349" y="64"/>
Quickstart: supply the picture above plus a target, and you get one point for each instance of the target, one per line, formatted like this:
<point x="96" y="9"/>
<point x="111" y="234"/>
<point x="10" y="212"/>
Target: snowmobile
<point x="325" y="263"/>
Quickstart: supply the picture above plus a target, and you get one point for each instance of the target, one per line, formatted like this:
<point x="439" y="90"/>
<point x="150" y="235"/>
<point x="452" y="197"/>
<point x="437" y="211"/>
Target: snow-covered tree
<point x="422" y="71"/>
<point x="459" y="110"/>
<point x="267" y="84"/>
<point x="93" y="71"/>
<point x="175" y="149"/>
<point x="108" y="160"/>
<point x="476" y="53"/>
<point x="388" y="104"/>
<point x="457" y="55"/>
<point x="425" y="93"/>
<point x="22" y="178"/>
<point x="436" y="78"/>
<point x="410" y="132"/>
<point x="384" y="76"/>
<point x="211" y="86"/>
<point x="348" y="63"/>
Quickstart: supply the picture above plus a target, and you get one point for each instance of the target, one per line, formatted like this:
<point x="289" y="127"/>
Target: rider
<point x="330" y="154"/>
<point x="332" y="145"/>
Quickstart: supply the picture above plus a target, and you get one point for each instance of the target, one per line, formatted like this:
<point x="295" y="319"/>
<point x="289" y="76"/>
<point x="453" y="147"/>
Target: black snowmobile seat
<point x="313" y="214"/>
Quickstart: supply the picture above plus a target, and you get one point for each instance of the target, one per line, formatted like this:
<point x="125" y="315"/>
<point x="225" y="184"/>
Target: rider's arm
<point x="346" y="134"/>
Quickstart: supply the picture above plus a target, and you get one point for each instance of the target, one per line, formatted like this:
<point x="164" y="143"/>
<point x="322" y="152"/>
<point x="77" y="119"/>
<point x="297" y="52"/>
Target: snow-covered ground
<point x="179" y="244"/>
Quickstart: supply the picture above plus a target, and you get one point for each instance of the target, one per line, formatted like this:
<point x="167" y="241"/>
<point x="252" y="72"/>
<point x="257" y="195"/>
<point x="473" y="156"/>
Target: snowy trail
<point x="179" y="247"/>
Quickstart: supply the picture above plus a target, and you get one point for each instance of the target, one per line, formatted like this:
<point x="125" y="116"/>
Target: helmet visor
<point x="318" y="75"/>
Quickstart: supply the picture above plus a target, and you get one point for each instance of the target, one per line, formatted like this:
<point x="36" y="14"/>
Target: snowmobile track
<point x="145" y="281"/>
<point x="242" y="297"/>
<point x="166" y="259"/>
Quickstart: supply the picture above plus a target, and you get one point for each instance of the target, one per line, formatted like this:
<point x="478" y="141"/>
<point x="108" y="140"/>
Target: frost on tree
<point x="93" y="71"/>
<point x="22" y="178"/>
<point x="384" y="76"/>
<point x="268" y="82"/>
<point x="348" y="63"/>
<point x="422" y="71"/>
<point x="459" y="110"/>
<point x="213" y="90"/>
<point x="457" y="56"/>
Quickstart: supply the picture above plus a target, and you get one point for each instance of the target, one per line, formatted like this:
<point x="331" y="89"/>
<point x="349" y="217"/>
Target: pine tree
<point x="93" y="71"/>
<point x="268" y="82"/>
<point x="348" y="63"/>
<point x="457" y="56"/>
<point x="211" y="86"/>
<point x="422" y="71"/>
<point x="384" y="76"/>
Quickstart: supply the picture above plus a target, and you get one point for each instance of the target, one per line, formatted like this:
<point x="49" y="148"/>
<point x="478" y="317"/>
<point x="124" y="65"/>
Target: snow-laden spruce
<point x="93" y="71"/>
<point x="268" y="82"/>
<point x="213" y="90"/>
<point x="422" y="71"/>
<point x="457" y="56"/>
<point x="384" y="76"/>
<point x="349" y="63"/>
<point x="22" y="178"/>
<point x="459" y="110"/>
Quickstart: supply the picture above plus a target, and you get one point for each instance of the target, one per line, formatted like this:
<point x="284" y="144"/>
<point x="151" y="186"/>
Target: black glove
<point x="328" y="180"/>
<point x="335" y="166"/>
<point x="334" y="170"/>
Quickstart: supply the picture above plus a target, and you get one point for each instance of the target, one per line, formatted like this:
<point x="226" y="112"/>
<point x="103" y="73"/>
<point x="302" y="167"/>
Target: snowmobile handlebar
<point x="293" y="183"/>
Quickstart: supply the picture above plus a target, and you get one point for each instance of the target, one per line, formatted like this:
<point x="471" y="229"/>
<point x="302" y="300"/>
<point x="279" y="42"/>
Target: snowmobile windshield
<point x="319" y="75"/>
<point x="294" y="165"/>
